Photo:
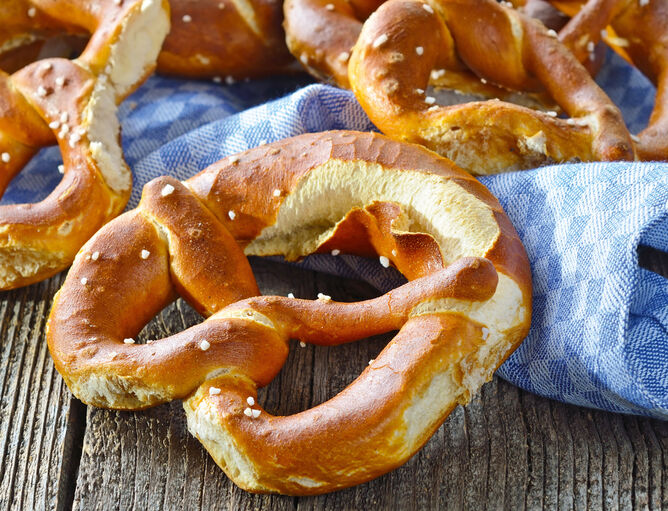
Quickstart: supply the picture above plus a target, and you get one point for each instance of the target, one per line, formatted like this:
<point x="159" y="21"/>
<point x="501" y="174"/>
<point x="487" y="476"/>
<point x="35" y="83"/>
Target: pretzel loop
<point x="391" y="65"/>
<point x="639" y="32"/>
<point x="466" y="307"/>
<point x="73" y="103"/>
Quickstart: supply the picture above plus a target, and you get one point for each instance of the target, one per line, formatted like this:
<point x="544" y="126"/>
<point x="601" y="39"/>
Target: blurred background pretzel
<point x="321" y="34"/>
<point x="637" y="30"/>
<point x="405" y="42"/>
<point x="222" y="39"/>
<point x="459" y="316"/>
<point x="72" y="103"/>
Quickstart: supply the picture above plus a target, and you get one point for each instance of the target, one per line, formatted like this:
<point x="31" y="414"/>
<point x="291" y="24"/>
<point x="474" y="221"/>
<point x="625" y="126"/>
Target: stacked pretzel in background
<point x="489" y="50"/>
<point x="638" y="30"/>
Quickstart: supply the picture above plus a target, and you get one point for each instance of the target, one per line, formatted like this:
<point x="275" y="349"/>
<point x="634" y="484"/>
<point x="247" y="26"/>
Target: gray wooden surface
<point x="507" y="450"/>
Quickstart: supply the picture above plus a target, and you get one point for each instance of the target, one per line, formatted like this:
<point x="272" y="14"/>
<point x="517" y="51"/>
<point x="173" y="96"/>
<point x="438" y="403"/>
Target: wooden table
<point x="507" y="449"/>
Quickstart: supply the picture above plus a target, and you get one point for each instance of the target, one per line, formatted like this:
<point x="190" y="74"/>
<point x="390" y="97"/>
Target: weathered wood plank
<point x="507" y="450"/>
<point x="40" y="423"/>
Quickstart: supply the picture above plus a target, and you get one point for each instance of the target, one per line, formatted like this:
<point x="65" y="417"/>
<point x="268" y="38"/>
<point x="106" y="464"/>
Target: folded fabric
<point x="599" y="335"/>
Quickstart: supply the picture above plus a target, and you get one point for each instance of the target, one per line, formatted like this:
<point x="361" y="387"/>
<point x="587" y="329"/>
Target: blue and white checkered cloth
<point x="599" y="336"/>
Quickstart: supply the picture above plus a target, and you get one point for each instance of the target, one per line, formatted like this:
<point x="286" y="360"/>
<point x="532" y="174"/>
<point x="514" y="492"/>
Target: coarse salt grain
<point x="379" y="41"/>
<point x="250" y="400"/>
<point x="167" y="190"/>
<point x="302" y="344"/>
<point x="419" y="50"/>
<point x="277" y="193"/>
<point x="256" y="413"/>
<point x="335" y="252"/>
<point x="248" y="412"/>
<point x="428" y="8"/>
<point x="231" y="214"/>
<point x="324" y="297"/>
<point x="214" y="391"/>
<point x="384" y="262"/>
<point x="145" y="253"/>
<point x="430" y="100"/>
<point x="187" y="18"/>
<point x="6" y="157"/>
<point x="291" y="295"/>
<point x="95" y="255"/>
<point x="329" y="7"/>
<point x="32" y="12"/>
<point x="204" y="345"/>
<point x="61" y="169"/>
<point x="84" y="281"/>
<point x="129" y="340"/>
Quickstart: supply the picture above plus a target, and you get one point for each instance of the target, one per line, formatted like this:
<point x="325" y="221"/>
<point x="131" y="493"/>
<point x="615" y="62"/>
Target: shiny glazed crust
<point x="225" y="38"/>
<point x="404" y="41"/>
<point x="466" y="308"/>
<point x="72" y="103"/>
<point x="640" y="31"/>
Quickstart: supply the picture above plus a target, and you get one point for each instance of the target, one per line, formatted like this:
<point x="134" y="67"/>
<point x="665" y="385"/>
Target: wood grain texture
<point x="507" y="449"/>
<point x="40" y="421"/>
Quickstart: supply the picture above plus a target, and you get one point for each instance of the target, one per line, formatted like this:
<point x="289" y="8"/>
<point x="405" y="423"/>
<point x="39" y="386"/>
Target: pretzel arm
<point x="366" y="430"/>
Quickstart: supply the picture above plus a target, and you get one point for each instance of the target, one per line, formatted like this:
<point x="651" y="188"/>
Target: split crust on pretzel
<point x="640" y="31"/>
<point x="73" y="103"/>
<point x="459" y="316"/>
<point x="405" y="40"/>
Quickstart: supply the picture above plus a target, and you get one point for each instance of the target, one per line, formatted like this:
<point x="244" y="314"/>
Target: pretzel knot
<point x="392" y="63"/>
<point x="639" y="31"/>
<point x="466" y="307"/>
<point x="72" y="103"/>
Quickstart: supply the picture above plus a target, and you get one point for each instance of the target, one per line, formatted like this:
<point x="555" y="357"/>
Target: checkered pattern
<point x="599" y="326"/>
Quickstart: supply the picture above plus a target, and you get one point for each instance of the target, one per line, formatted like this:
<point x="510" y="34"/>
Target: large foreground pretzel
<point x="73" y="103"/>
<point x="458" y="318"/>
<point x="406" y="41"/>
<point x="640" y="29"/>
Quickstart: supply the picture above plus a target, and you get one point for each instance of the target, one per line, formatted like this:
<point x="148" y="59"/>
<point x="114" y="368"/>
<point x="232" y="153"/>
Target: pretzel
<point x="322" y="33"/>
<point x="207" y="39"/>
<point x="391" y="65"/>
<point x="73" y="103"/>
<point x="639" y="31"/>
<point x="225" y="38"/>
<point x="458" y="318"/>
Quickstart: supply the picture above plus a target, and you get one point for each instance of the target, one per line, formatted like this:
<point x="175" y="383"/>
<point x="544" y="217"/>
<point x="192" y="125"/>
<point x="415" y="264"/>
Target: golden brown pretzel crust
<point x="236" y="38"/>
<point x="72" y="103"/>
<point x="208" y="38"/>
<point x="640" y="29"/>
<point x="321" y="34"/>
<point x="390" y="69"/>
<point x="459" y="317"/>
